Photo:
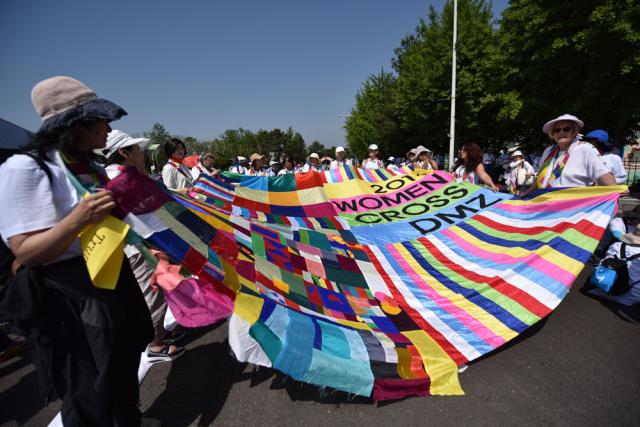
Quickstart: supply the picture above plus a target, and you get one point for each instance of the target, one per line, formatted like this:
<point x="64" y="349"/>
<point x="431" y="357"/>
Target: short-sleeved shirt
<point x="583" y="168"/>
<point x="176" y="178"/>
<point x="613" y="162"/>
<point x="30" y="202"/>
<point x="335" y="164"/>
<point x="372" y="164"/>
<point x="461" y="175"/>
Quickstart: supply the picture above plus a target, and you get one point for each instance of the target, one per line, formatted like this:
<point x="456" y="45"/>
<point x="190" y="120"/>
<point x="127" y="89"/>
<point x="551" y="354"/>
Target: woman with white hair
<point x="340" y="160"/>
<point x="569" y="162"/>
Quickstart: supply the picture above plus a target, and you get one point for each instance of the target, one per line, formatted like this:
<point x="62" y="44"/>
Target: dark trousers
<point x="97" y="349"/>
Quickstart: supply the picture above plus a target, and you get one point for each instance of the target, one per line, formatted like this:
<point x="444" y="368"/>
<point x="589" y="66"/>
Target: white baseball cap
<point x="339" y="149"/>
<point x="117" y="140"/>
<point x="373" y="147"/>
<point x="314" y="156"/>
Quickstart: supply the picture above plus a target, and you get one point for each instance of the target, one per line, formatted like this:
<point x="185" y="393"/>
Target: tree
<point x="158" y="135"/>
<point x="579" y="57"/>
<point x="373" y="120"/>
<point x="316" y="147"/>
<point x="423" y="87"/>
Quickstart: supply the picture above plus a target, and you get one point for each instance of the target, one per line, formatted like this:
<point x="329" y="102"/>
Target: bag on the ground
<point x="612" y="274"/>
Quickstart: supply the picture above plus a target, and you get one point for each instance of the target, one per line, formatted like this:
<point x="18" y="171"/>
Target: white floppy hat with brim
<point x="422" y="149"/>
<point x="631" y="238"/>
<point x="548" y="127"/>
<point x="117" y="140"/>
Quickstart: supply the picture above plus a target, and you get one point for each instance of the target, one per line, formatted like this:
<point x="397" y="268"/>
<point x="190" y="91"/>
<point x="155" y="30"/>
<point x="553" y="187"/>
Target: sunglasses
<point x="564" y="129"/>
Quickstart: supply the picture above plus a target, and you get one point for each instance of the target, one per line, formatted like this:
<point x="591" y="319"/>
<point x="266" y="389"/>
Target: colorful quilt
<point x="377" y="287"/>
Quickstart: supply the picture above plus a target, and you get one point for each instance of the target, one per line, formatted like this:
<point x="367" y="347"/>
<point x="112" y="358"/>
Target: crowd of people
<point x="95" y="337"/>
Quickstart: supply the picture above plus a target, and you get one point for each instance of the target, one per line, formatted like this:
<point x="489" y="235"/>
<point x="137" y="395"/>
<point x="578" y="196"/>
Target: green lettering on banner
<point x="429" y="204"/>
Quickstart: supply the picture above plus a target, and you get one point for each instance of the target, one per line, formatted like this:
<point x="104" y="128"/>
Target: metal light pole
<point x="452" y="128"/>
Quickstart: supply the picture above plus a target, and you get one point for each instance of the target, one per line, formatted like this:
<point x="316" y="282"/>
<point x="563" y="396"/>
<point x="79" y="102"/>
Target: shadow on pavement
<point x="298" y="391"/>
<point x="197" y="386"/>
<point x="630" y="314"/>
<point x="22" y="409"/>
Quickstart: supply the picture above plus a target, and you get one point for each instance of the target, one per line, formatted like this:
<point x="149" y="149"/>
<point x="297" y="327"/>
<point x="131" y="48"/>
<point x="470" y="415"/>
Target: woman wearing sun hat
<point x="425" y="159"/>
<point x="313" y="163"/>
<point x="521" y="173"/>
<point x="256" y="161"/>
<point x="123" y="151"/>
<point x="88" y="342"/>
<point x="569" y="162"/>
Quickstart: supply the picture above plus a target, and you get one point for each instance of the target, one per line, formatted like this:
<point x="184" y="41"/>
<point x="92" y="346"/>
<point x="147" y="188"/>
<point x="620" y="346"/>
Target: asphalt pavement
<point x="579" y="367"/>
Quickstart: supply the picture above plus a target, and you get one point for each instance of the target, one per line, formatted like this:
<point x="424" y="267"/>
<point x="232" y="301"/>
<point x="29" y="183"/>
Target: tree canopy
<point x="542" y="59"/>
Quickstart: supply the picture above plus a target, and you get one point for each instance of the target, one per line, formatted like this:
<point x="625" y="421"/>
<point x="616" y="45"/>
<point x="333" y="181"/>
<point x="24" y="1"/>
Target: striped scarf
<point x="88" y="174"/>
<point x="549" y="171"/>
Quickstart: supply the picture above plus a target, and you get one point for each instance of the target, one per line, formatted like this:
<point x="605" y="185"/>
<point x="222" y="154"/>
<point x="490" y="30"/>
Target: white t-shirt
<point x="613" y="162"/>
<point x="335" y="164"/>
<point x="583" y="168"/>
<point x="29" y="202"/>
<point x="174" y="179"/>
<point x="196" y="171"/>
<point x="370" y="163"/>
<point x="460" y="175"/>
<point x="309" y="167"/>
<point x="112" y="170"/>
<point x="238" y="169"/>
<point x="517" y="175"/>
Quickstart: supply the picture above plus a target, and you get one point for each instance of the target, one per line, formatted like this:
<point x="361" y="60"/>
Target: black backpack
<point x="620" y="265"/>
<point x="6" y="256"/>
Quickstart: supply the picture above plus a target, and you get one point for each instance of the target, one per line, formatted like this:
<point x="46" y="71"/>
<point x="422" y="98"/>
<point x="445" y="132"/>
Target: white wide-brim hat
<point x="117" y="140"/>
<point x="422" y="149"/>
<point x="548" y="127"/>
<point x="631" y="238"/>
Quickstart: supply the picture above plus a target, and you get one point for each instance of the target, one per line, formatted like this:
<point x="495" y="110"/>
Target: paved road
<point x="581" y="367"/>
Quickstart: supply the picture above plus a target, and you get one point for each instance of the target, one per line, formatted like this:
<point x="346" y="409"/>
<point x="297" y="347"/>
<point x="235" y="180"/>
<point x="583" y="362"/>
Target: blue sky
<point x="200" y="67"/>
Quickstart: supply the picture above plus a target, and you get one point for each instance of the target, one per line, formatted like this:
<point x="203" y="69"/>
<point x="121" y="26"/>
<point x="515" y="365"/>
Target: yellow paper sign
<point x="103" y="250"/>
